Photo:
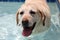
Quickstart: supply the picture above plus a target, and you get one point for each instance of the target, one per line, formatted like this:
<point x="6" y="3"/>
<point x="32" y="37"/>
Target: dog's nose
<point x="25" y="23"/>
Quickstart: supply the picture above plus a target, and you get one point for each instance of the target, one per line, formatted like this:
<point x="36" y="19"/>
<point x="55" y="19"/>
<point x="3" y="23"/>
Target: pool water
<point x="10" y="31"/>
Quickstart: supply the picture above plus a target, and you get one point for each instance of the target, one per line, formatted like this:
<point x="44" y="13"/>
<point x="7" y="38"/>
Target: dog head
<point x="28" y="16"/>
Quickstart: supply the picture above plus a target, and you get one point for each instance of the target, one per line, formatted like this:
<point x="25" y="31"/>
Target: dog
<point x="33" y="17"/>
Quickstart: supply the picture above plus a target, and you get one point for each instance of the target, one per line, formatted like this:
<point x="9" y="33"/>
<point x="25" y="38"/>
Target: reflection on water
<point x="10" y="31"/>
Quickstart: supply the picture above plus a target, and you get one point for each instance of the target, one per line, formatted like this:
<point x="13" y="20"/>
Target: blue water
<point x="10" y="31"/>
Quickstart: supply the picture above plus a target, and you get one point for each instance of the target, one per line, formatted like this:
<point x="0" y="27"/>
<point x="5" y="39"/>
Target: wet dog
<point x="33" y="17"/>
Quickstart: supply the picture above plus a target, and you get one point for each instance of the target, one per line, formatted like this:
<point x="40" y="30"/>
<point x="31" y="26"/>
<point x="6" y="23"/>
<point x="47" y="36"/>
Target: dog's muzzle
<point x="27" y="30"/>
<point x="25" y="23"/>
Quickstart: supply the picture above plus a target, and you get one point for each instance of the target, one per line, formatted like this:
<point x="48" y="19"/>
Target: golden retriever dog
<point x="33" y="17"/>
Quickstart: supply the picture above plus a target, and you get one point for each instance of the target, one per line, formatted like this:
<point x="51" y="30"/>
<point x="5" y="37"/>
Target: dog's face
<point x="28" y="16"/>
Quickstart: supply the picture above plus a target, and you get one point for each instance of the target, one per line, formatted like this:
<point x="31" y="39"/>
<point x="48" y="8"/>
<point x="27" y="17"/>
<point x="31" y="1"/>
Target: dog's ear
<point x="17" y="20"/>
<point x="43" y="17"/>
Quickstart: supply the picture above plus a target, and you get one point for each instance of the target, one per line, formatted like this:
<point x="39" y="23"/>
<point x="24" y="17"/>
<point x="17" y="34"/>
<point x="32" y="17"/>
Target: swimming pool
<point x="9" y="30"/>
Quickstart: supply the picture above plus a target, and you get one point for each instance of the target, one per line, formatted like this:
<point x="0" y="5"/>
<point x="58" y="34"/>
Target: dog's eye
<point x="22" y="12"/>
<point x="32" y="12"/>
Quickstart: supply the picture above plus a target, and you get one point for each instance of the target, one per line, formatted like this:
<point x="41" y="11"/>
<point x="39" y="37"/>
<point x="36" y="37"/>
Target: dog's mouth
<point x="28" y="30"/>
